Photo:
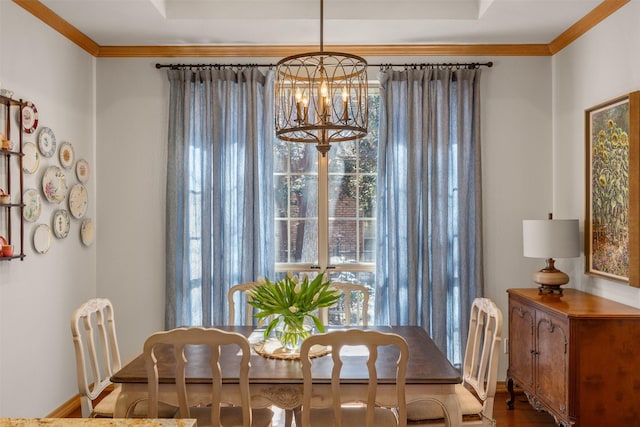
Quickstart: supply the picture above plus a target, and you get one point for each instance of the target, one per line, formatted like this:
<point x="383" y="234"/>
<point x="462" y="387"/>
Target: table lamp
<point x="549" y="239"/>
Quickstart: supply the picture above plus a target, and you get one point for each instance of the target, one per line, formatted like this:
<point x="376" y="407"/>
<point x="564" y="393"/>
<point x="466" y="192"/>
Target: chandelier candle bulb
<point x="299" y="105"/>
<point x="305" y="109"/>
<point x="345" y="104"/>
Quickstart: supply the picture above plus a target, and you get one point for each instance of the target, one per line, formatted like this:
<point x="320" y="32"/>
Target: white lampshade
<point x="551" y="238"/>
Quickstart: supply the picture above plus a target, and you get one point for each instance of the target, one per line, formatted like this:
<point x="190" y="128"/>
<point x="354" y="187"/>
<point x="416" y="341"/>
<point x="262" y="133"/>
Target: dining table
<point x="278" y="382"/>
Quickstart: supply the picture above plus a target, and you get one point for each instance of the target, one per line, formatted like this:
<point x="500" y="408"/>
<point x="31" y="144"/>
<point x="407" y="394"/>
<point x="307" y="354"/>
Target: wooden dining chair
<point x="97" y="358"/>
<point x="95" y="314"/>
<point x="243" y="295"/>
<point x="352" y="309"/>
<point x="340" y="412"/>
<point x="210" y="409"/>
<point x="354" y="296"/>
<point x="480" y="372"/>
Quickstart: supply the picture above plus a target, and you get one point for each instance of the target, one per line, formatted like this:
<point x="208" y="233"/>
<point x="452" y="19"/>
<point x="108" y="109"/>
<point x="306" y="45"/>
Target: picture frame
<point x="612" y="196"/>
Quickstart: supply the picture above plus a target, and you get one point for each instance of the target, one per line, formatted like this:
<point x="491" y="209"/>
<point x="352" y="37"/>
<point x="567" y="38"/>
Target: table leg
<point x="123" y="403"/>
<point x="452" y="408"/>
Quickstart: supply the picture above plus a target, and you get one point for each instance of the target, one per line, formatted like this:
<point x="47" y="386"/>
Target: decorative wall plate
<point x="32" y="205"/>
<point x="87" y="231"/>
<point x="42" y="239"/>
<point x="54" y="184"/>
<point x="61" y="223"/>
<point x="46" y="142"/>
<point x="31" y="159"/>
<point x="82" y="170"/>
<point x="78" y="198"/>
<point x="29" y="117"/>
<point x="67" y="155"/>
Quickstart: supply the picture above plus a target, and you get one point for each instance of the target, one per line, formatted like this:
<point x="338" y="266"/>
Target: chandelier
<point x="321" y="97"/>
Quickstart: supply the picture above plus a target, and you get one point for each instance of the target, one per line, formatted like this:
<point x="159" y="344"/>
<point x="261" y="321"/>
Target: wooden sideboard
<point x="576" y="356"/>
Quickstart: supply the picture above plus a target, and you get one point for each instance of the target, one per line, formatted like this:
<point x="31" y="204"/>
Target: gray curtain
<point x="429" y="192"/>
<point x="219" y="190"/>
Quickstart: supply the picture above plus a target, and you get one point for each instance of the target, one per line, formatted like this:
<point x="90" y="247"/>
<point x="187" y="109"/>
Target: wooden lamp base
<point x="550" y="279"/>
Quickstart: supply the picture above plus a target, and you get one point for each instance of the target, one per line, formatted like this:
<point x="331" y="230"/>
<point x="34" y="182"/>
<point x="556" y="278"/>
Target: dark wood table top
<point x="427" y="364"/>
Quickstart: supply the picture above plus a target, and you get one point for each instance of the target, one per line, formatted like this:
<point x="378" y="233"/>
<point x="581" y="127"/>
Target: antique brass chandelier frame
<point x="321" y="97"/>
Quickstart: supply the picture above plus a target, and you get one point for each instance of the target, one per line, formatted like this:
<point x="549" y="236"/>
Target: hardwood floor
<point x="522" y="416"/>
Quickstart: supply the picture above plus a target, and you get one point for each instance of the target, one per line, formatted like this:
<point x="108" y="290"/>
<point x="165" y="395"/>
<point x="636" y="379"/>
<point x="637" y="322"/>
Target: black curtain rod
<point x="215" y="66"/>
<point x="382" y="66"/>
<point x="416" y="66"/>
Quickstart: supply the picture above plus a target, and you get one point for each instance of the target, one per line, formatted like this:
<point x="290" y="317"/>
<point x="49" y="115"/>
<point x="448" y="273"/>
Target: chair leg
<point x="292" y="414"/>
<point x="288" y="417"/>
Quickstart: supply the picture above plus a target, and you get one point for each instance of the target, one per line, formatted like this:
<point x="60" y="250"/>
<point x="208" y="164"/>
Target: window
<point x="325" y="207"/>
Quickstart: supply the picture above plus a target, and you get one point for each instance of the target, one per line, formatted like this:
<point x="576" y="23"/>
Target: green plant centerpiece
<point x="290" y="303"/>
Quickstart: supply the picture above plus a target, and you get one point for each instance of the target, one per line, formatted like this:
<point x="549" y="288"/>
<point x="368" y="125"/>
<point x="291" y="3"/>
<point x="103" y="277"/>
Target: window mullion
<point x="323" y="211"/>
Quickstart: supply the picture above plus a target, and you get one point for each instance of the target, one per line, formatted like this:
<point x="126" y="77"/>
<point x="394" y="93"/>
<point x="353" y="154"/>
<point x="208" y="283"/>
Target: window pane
<point x="280" y="156"/>
<point x="368" y="156"/>
<point x="369" y="144"/>
<point x="343" y="241"/>
<point x="352" y="241"/>
<point x="342" y="196"/>
<point x="343" y="157"/>
<point x="304" y="241"/>
<point x="294" y="157"/>
<point x="304" y="196"/>
<point x="304" y="157"/>
<point x="296" y="241"/>
<point x="281" y="198"/>
<point x="282" y="240"/>
<point x="367" y="247"/>
<point x="367" y="197"/>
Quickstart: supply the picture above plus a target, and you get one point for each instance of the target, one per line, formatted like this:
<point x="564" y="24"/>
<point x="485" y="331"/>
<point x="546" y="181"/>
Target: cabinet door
<point x="521" y="344"/>
<point x="553" y="362"/>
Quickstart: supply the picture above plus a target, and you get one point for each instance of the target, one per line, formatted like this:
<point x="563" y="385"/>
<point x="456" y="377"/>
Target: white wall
<point x="132" y="111"/>
<point x="601" y="65"/>
<point x="516" y="162"/>
<point x="37" y="295"/>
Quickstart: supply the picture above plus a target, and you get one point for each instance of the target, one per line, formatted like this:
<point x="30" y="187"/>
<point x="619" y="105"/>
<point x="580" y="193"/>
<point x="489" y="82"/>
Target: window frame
<point x="323" y="220"/>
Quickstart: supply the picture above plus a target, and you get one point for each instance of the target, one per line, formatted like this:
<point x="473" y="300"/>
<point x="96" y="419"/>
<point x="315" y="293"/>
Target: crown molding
<point x="283" y="51"/>
<point x="590" y="20"/>
<point x="598" y="14"/>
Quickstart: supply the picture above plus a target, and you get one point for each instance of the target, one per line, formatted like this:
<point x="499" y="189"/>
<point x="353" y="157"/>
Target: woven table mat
<point x="271" y="349"/>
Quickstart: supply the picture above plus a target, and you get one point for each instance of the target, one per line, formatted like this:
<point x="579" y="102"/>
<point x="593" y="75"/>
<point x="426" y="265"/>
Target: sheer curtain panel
<point x="219" y="189"/>
<point x="429" y="216"/>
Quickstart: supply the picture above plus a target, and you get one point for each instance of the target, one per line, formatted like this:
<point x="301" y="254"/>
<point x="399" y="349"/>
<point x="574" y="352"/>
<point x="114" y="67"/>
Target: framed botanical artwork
<point x="611" y="227"/>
